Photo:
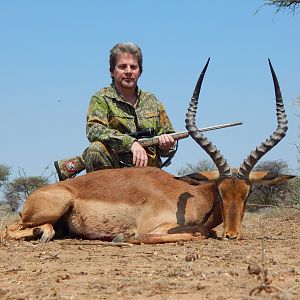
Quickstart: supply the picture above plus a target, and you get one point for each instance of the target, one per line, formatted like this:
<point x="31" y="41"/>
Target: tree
<point x="202" y="165"/>
<point x="290" y="5"/>
<point x="296" y="103"/>
<point x="17" y="190"/>
<point x="4" y="174"/>
<point x="269" y="195"/>
<point x="277" y="166"/>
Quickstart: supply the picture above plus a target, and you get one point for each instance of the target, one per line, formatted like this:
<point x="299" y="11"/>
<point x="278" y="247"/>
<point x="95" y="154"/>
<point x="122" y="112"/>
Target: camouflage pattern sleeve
<point x="165" y="126"/>
<point x="97" y="128"/>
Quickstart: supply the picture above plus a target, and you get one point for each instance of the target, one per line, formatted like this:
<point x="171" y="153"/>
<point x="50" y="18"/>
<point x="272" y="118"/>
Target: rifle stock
<point x="147" y="142"/>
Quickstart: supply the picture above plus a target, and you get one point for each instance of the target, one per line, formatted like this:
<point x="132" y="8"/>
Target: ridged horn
<point x="274" y="139"/>
<point x="209" y="148"/>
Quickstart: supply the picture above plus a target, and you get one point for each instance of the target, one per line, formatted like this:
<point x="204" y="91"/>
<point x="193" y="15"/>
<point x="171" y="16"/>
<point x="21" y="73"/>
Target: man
<point x="117" y="111"/>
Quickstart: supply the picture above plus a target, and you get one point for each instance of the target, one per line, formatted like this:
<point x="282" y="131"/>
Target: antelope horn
<point x="209" y="148"/>
<point x="273" y="140"/>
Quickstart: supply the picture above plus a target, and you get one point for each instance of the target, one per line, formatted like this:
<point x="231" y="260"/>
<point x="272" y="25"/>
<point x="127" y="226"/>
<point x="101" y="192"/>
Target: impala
<point x="149" y="205"/>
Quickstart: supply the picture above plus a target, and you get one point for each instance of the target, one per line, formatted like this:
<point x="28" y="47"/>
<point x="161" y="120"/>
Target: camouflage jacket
<point x="110" y="119"/>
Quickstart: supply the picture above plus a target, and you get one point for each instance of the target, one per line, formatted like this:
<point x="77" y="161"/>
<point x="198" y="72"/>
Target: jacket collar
<point x="112" y="92"/>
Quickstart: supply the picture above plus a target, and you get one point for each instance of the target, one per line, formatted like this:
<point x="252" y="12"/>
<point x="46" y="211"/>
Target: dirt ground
<point x="266" y="263"/>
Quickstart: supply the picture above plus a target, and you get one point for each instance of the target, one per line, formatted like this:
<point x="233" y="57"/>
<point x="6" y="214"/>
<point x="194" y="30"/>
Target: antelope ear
<point x="200" y="177"/>
<point x="189" y="180"/>
<point x="280" y="179"/>
<point x="269" y="178"/>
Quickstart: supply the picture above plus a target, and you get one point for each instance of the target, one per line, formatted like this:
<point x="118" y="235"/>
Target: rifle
<point x="144" y="133"/>
<point x="153" y="141"/>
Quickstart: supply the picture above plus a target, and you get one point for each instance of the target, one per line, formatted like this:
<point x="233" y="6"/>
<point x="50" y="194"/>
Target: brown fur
<point x="147" y="205"/>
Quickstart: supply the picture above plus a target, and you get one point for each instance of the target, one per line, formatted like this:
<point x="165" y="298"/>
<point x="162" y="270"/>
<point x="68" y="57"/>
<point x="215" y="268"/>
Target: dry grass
<point x="6" y="218"/>
<point x="265" y="218"/>
<point x="283" y="213"/>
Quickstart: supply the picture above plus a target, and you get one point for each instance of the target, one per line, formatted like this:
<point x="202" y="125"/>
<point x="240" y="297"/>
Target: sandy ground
<point x="266" y="263"/>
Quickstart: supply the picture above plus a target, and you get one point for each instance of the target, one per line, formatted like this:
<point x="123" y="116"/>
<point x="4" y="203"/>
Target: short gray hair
<point x="128" y="47"/>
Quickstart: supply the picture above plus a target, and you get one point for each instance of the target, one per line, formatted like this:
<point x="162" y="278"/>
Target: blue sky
<point x="54" y="56"/>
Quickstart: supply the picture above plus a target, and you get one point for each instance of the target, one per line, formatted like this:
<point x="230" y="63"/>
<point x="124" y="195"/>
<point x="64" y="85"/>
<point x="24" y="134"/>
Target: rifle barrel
<point x="147" y="142"/>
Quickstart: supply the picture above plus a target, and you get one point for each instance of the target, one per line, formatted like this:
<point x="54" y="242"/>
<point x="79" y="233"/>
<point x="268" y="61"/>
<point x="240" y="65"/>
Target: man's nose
<point x="128" y="69"/>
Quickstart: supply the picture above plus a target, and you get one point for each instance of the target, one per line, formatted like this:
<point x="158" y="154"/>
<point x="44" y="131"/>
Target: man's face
<point x="126" y="72"/>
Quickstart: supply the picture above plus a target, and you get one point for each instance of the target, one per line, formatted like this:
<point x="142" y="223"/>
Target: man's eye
<point x="134" y="67"/>
<point x="122" y="67"/>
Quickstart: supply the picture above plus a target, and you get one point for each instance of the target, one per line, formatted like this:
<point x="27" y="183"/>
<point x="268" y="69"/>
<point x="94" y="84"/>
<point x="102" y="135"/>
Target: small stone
<point x="192" y="257"/>
<point x="200" y="287"/>
<point x="254" y="269"/>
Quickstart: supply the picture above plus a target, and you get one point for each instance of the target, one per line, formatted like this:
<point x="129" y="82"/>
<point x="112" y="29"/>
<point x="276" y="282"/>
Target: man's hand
<point x="165" y="142"/>
<point x="140" y="158"/>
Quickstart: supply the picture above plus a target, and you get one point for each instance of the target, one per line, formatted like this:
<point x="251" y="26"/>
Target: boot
<point x="68" y="168"/>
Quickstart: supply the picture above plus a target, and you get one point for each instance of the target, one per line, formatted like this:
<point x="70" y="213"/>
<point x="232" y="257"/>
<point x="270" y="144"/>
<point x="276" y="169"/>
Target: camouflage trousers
<point x="97" y="157"/>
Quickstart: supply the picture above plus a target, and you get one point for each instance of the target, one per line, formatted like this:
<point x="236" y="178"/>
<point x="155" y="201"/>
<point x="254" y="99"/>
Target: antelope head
<point x="233" y="186"/>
